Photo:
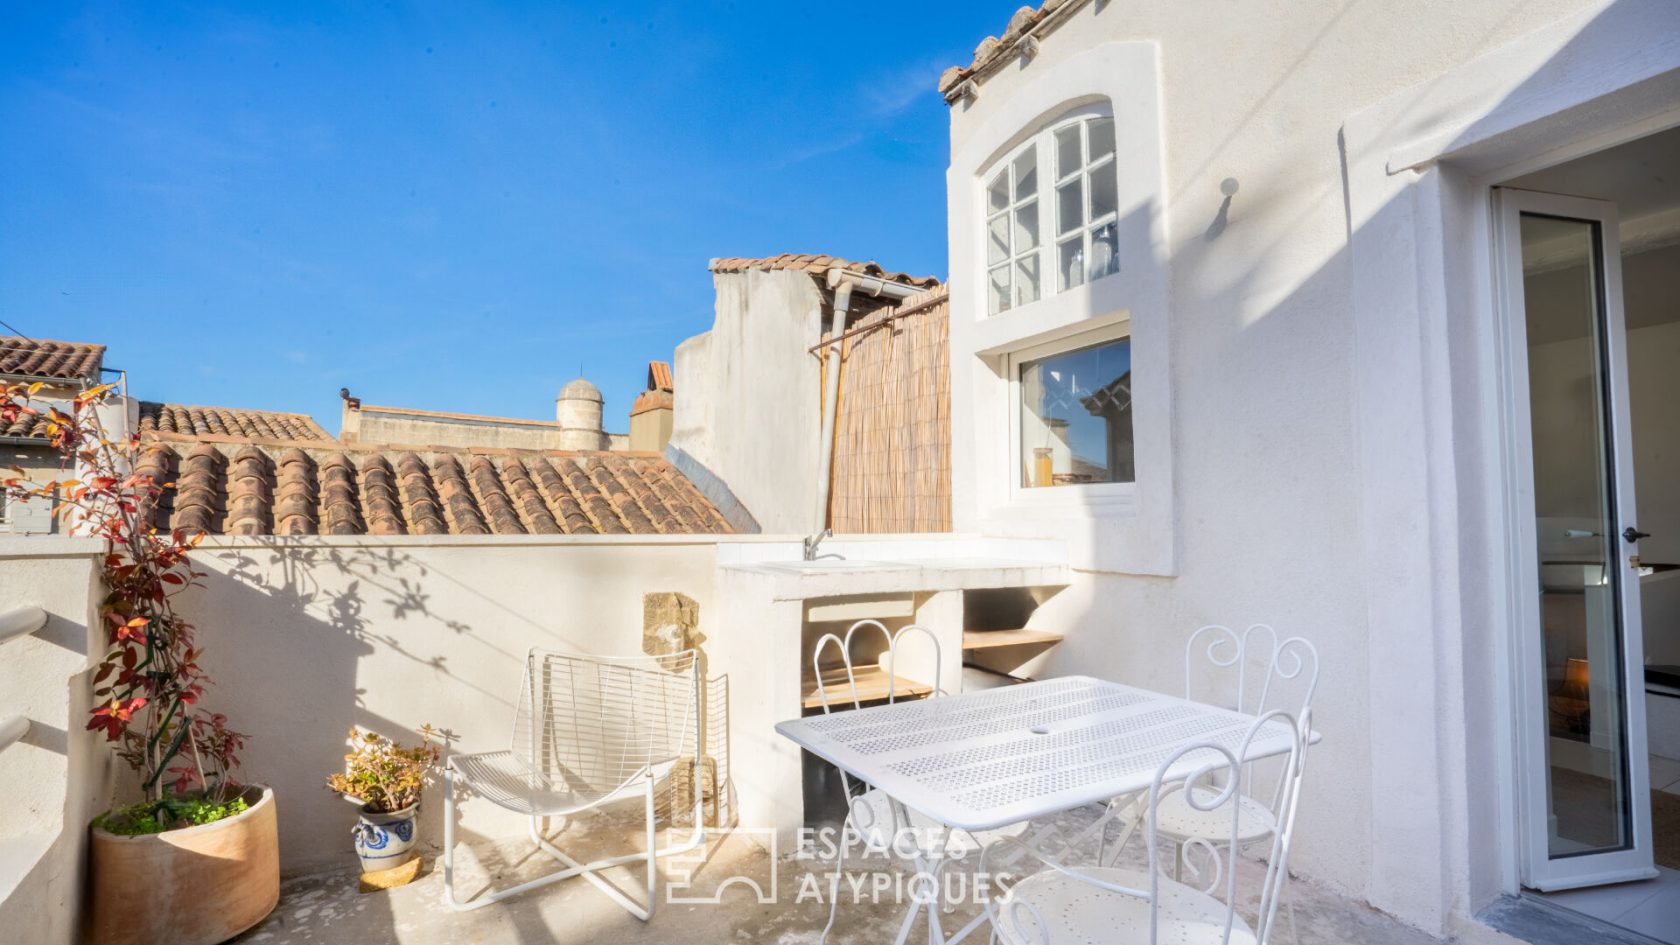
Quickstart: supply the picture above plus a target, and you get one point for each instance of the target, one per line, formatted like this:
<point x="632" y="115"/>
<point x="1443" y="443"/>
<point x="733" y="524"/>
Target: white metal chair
<point x="870" y="813"/>
<point x="588" y="731"/>
<point x="1068" y="904"/>
<point x="1179" y="820"/>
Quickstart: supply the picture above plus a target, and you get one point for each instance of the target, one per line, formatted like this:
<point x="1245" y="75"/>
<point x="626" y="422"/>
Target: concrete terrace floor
<point x="327" y="909"/>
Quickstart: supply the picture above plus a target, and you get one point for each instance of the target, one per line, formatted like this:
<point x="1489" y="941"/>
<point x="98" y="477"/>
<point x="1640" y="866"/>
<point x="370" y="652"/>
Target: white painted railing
<point x="12" y="729"/>
<point x="21" y="621"/>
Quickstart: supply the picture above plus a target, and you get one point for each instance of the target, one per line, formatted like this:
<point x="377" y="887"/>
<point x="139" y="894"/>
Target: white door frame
<point x="1539" y="869"/>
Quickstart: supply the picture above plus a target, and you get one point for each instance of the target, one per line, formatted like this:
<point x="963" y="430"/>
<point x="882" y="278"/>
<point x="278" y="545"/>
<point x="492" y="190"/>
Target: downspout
<point x="843" y="282"/>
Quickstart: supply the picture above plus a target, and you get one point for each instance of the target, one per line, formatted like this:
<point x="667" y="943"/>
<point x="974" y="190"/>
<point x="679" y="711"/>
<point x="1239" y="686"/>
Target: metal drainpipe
<point x="844" y="282"/>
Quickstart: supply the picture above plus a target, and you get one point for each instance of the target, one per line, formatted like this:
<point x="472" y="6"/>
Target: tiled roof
<point x="818" y="265"/>
<point x="224" y="421"/>
<point x="60" y="360"/>
<point x="27" y="426"/>
<point x="301" y="490"/>
<point x="659" y="376"/>
<point x="1027" y="22"/>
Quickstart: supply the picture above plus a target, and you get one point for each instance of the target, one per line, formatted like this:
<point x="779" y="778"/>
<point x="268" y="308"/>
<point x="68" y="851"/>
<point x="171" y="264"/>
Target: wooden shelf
<point x="871" y="687"/>
<point x="986" y="639"/>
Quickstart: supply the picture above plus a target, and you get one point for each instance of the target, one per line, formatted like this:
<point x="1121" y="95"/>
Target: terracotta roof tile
<point x="59" y="360"/>
<point x="258" y="489"/>
<point x="28" y="426"/>
<point x="659" y="376"/>
<point x="229" y="422"/>
<point x="817" y="265"/>
<point x="652" y="400"/>
<point x="1027" y="22"/>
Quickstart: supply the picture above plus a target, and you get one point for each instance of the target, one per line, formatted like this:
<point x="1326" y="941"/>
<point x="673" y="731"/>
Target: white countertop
<point x="801" y="580"/>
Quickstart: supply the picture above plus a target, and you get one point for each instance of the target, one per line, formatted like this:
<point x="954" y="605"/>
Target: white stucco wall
<point x="750" y="407"/>
<point x="41" y="463"/>
<point x="1294" y="488"/>
<point x="306" y="638"/>
<point x="1441" y="602"/>
<point x="55" y="779"/>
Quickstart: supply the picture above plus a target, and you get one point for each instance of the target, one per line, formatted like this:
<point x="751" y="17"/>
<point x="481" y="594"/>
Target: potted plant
<point x="386" y="779"/>
<point x="196" y="861"/>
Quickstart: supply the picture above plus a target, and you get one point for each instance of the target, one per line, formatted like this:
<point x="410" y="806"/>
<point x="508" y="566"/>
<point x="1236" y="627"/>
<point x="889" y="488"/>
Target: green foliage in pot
<point x="168" y="813"/>
<point x="383" y="775"/>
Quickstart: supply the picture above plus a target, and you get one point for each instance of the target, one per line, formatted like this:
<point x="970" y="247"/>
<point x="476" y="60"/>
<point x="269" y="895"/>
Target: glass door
<point x="1585" y="805"/>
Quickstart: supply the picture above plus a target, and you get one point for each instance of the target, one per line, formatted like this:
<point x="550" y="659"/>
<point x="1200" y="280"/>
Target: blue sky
<point x="448" y="206"/>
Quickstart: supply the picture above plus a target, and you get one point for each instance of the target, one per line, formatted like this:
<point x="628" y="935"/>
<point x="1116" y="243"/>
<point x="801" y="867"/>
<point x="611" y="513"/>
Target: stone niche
<point x="671" y="624"/>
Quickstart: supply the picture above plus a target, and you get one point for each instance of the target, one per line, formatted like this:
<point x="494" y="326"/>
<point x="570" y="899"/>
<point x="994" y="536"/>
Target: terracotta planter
<point x="193" y="886"/>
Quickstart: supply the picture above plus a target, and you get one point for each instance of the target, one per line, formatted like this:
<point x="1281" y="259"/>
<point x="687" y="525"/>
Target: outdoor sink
<point x="821" y="565"/>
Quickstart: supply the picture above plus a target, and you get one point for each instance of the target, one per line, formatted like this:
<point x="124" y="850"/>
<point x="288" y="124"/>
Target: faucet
<point x="813" y="541"/>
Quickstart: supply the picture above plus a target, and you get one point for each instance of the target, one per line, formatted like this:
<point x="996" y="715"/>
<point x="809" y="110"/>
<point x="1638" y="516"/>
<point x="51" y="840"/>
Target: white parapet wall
<point x="306" y="637"/>
<point x="53" y="779"/>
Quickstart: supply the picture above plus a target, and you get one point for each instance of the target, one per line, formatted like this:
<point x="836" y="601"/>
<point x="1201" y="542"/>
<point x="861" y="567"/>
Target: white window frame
<point x="1120" y="495"/>
<point x="1043" y="142"/>
<point x="1012" y="259"/>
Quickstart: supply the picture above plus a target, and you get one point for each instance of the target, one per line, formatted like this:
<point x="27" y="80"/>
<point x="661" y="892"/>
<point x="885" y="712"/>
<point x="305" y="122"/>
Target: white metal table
<point x="984" y="760"/>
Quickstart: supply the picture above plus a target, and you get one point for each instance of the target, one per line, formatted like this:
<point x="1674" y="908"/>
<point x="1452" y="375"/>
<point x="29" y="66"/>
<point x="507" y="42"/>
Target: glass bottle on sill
<point x="1075" y="274"/>
<point x="1105" y="259"/>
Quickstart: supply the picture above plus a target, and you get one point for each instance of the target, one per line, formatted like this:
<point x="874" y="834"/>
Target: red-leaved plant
<point x="149" y="684"/>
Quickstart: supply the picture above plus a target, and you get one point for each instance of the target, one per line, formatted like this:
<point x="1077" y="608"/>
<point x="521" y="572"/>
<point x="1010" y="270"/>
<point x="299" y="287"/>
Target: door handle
<point x="1633" y="534"/>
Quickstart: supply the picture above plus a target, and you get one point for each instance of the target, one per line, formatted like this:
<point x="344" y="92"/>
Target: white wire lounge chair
<point x="588" y="731"/>
<point x="1065" y="903"/>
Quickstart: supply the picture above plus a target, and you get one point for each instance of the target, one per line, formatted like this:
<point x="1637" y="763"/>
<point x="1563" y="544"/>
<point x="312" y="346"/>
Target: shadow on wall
<point x="306" y="640"/>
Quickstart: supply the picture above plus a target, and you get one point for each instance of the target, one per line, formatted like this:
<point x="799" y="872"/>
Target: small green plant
<point x="169" y="813"/>
<point x="384" y="775"/>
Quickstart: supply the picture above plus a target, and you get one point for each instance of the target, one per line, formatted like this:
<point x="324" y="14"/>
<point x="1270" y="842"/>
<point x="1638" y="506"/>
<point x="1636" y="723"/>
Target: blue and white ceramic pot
<point x="386" y="841"/>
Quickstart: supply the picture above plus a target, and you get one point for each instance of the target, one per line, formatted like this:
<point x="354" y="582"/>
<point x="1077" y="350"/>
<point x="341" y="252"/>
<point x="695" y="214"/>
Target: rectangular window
<point x="1076" y="417"/>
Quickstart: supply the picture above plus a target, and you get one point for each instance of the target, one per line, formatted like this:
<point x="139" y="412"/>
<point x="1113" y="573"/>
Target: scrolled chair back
<point x="909" y="632"/>
<point x="1268" y="673"/>
<point x="844" y="645"/>
<point x="863" y="816"/>
<point x="1211" y="774"/>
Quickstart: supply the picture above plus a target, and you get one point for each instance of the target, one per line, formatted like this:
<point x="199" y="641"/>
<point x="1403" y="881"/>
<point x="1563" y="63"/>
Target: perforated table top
<point x="987" y="759"/>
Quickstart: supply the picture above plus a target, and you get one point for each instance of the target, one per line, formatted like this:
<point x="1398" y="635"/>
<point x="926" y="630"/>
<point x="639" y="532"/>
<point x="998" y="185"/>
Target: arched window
<point x="1052" y="209"/>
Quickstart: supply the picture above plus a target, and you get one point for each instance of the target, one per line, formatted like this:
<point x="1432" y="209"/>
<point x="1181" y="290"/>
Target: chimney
<point x="652" y="412"/>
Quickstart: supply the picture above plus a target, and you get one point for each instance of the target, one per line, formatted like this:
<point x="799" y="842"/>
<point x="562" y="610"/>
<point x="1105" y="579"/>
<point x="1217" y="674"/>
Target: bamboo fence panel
<point x="892" y="437"/>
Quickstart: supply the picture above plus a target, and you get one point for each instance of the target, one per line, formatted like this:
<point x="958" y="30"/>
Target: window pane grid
<point x="1012" y="233"/>
<point x="1087" y="203"/>
<point x="1074" y="168"/>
